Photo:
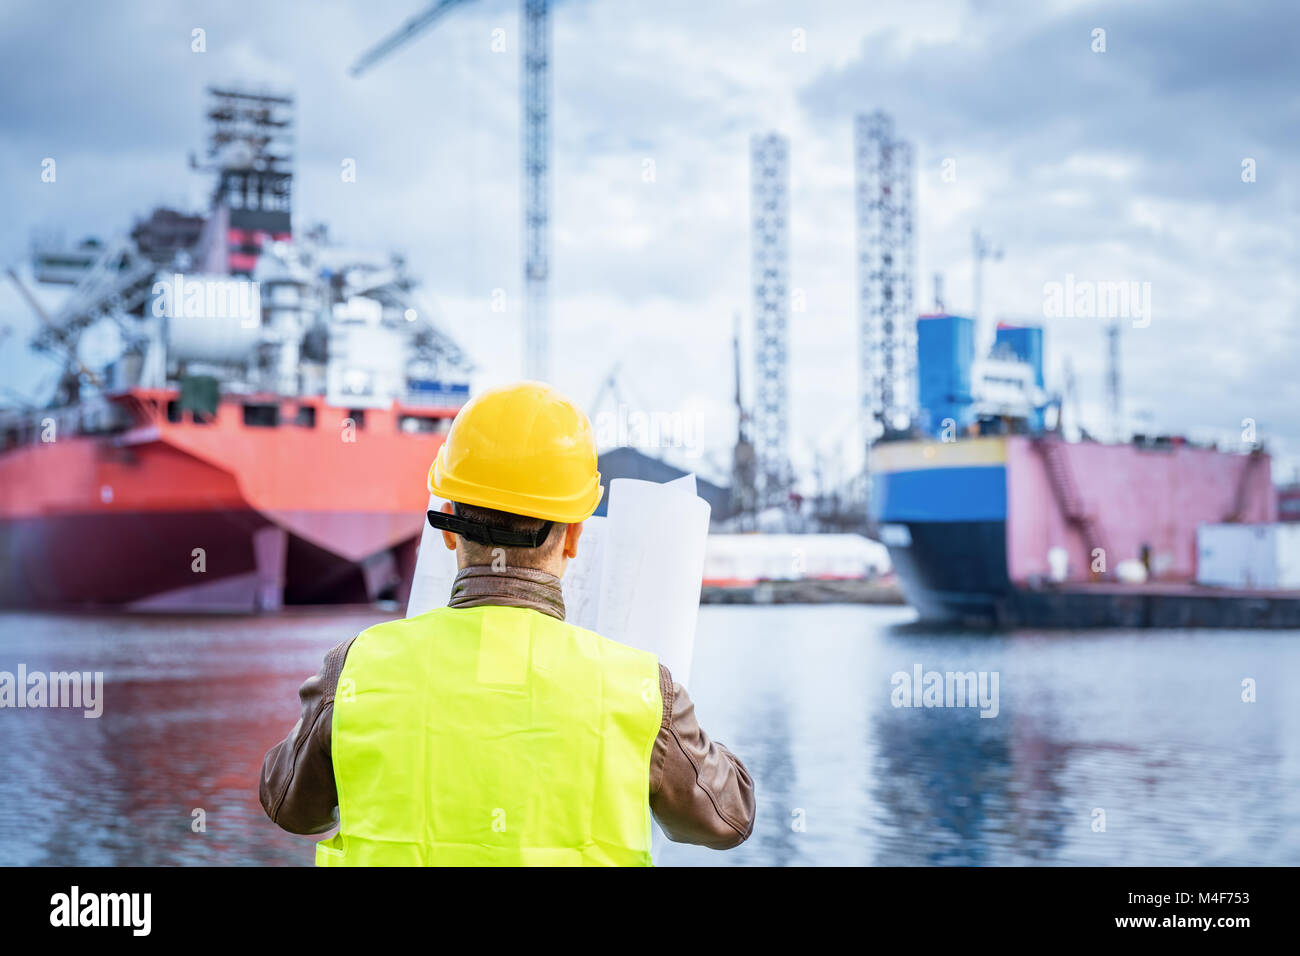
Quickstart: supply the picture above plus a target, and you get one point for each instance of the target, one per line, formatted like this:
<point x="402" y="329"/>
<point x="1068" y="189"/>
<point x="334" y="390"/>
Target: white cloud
<point x="1116" y="167"/>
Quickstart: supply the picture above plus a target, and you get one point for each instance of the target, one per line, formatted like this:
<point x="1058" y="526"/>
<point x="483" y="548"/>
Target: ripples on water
<point x="1149" y="726"/>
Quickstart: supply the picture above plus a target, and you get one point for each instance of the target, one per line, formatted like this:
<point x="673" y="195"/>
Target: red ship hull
<point x="223" y="515"/>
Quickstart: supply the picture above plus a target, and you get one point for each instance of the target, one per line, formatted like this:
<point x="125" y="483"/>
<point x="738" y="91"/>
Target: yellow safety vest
<point x="492" y="736"/>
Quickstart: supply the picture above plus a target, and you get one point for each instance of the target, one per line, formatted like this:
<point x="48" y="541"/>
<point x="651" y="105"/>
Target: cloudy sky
<point x="1123" y="165"/>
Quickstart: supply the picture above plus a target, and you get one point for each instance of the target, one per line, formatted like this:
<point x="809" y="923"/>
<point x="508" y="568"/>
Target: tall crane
<point x="884" y="192"/>
<point x="743" y="463"/>
<point x="535" y="107"/>
<point x="770" y="278"/>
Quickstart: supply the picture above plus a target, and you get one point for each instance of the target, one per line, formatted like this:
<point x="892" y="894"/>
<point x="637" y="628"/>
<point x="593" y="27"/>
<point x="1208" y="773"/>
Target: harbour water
<point x="1146" y="732"/>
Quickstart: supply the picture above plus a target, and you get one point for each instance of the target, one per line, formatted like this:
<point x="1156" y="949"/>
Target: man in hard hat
<point x="491" y="732"/>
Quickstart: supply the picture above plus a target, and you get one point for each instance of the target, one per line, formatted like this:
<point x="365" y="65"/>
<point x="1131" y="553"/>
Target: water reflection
<point x="1149" y="728"/>
<point x="771" y="762"/>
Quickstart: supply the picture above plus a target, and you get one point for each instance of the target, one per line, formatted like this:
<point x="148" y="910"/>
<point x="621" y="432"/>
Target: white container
<point x="1288" y="554"/>
<point x="792" y="557"/>
<point x="209" y="318"/>
<point x="1248" y="556"/>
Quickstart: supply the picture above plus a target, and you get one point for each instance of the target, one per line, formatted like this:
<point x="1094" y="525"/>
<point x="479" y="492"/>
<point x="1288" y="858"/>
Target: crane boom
<point x="535" y="107"/>
<point x="69" y="348"/>
<point x="406" y="32"/>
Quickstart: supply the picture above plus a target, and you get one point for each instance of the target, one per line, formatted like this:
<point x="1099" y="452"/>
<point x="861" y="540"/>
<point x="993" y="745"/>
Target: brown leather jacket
<point x="699" y="791"/>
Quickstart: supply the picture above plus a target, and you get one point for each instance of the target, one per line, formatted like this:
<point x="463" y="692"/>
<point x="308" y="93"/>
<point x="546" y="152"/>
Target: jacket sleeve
<point x="297" y="786"/>
<point x="700" y="792"/>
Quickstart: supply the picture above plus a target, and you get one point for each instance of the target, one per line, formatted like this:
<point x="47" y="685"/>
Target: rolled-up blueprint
<point x="652" y="566"/>
<point x="435" y="569"/>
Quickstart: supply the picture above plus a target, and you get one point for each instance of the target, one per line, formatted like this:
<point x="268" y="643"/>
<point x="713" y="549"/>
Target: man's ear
<point x="448" y="538"/>
<point x="571" y="535"/>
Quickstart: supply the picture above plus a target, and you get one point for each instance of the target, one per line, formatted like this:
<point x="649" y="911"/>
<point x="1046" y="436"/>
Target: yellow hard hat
<point x="525" y="449"/>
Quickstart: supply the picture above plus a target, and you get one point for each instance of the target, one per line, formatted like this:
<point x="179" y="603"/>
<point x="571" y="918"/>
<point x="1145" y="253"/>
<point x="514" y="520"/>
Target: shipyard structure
<point x="992" y="517"/>
<point x="260" y="436"/>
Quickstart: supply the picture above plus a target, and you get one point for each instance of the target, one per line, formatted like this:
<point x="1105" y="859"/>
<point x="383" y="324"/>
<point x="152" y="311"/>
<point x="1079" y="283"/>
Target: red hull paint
<point x="124" y="558"/>
<point x="286" y="514"/>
